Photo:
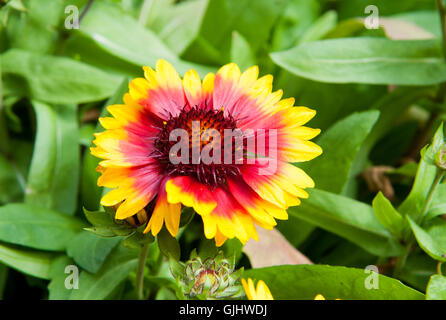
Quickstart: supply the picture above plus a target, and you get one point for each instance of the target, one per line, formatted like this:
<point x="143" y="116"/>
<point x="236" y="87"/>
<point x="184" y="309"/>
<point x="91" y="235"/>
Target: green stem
<point x="84" y="12"/>
<point x="439" y="268"/>
<point x="140" y="272"/>
<point x="401" y="261"/>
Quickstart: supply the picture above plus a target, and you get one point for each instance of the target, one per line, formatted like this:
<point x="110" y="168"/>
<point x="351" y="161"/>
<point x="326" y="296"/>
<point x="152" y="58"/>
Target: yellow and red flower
<point x="230" y="197"/>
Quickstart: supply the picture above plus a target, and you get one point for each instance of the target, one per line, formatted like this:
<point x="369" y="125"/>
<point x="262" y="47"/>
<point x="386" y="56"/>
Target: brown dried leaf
<point x="377" y="180"/>
<point x="272" y="249"/>
<point x="398" y="29"/>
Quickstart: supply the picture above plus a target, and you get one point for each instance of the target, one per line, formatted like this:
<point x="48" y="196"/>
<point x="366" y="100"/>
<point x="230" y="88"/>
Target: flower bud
<point x="212" y="278"/>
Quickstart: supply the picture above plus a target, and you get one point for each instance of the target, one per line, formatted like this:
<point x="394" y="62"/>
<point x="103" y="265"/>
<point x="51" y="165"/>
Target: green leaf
<point x="332" y="102"/>
<point x="413" y="204"/>
<point x="438" y="140"/>
<point x="87" y="51"/>
<point x="253" y="19"/>
<point x="122" y="36"/>
<point x="241" y="52"/>
<point x="187" y="215"/>
<point x="388" y="216"/>
<point x="99" y="218"/>
<point x="168" y="245"/>
<point x="408" y="169"/>
<point x="354" y="8"/>
<point x="332" y="282"/>
<point x="106" y="232"/>
<point x="154" y="282"/>
<point x="54" y="173"/>
<point x="438" y="204"/>
<point x="320" y="27"/>
<point x="295" y="19"/>
<point x="391" y="106"/>
<point x="347" y="28"/>
<point x="427" y="243"/>
<point x="334" y="213"/>
<point x="35" y="29"/>
<point x="340" y="150"/>
<point x="437" y="230"/>
<point x="10" y="183"/>
<point x="436" y="289"/>
<point x="137" y="240"/>
<point x="233" y="248"/>
<point x="115" y="269"/>
<point x="366" y="60"/>
<point x="36" y="227"/>
<point x="89" y="250"/>
<point x="436" y="211"/>
<point x="178" y="24"/>
<point x="106" y="226"/>
<point x="56" y="287"/>
<point x="295" y="230"/>
<point x="176" y="267"/>
<point x="33" y="263"/>
<point x="17" y="5"/>
<point x="417" y="270"/>
<point x="54" y="79"/>
<point x="85" y="134"/>
<point x="431" y="153"/>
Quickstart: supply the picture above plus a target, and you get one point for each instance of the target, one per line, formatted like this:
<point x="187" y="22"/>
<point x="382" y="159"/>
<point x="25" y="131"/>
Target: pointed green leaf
<point x="89" y="250"/>
<point x="36" y="227"/>
<point x="168" y="245"/>
<point x="413" y="204"/>
<point x="436" y="288"/>
<point x="340" y="148"/>
<point x="54" y="79"/>
<point x="427" y="243"/>
<point x="54" y="173"/>
<point x="122" y="36"/>
<point x="57" y="289"/>
<point x="367" y="60"/>
<point x="34" y="263"/>
<point x="332" y="282"/>
<point x="335" y="214"/>
<point x="387" y="215"/>
<point x="100" y="285"/>
<point x="241" y="52"/>
<point x="99" y="218"/>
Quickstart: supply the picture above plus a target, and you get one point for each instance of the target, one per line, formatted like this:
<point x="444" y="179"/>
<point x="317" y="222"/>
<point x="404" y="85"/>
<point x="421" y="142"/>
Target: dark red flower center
<point x="206" y="131"/>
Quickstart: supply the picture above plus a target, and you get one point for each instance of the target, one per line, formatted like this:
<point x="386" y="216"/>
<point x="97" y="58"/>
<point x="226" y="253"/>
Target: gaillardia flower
<point x="262" y="291"/>
<point x="161" y="150"/>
